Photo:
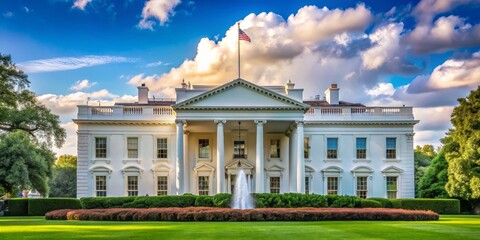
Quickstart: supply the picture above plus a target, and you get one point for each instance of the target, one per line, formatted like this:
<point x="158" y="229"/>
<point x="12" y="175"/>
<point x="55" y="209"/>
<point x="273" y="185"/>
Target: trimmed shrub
<point x="105" y="202"/>
<point x="227" y="214"/>
<point x="17" y="207"/>
<point x="396" y="203"/>
<point x="161" y="201"/>
<point x="40" y="206"/>
<point x="204" y="201"/>
<point x="440" y="206"/>
<point x="222" y="200"/>
<point x="386" y="203"/>
<point x="367" y="203"/>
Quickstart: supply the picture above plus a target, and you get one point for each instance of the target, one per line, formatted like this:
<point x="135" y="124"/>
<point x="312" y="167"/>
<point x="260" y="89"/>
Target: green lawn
<point x="448" y="227"/>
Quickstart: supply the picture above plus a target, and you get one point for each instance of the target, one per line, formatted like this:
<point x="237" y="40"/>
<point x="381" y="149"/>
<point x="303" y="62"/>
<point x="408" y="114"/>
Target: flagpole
<point x="238" y="48"/>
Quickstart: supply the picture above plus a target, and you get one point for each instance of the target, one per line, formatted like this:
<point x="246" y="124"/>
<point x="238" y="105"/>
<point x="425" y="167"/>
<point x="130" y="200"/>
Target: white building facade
<point x="197" y="143"/>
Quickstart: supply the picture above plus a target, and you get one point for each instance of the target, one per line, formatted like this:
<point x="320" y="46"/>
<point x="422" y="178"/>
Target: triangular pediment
<point x="243" y="165"/>
<point x="240" y="95"/>
<point x="275" y="168"/>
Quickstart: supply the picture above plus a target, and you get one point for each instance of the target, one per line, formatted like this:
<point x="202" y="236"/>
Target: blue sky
<point x="417" y="53"/>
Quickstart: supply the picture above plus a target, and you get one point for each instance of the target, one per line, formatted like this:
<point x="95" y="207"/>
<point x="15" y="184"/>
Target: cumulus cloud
<point x="81" y="4"/>
<point x="386" y="46"/>
<point x="160" y="10"/>
<point x="69" y="63"/>
<point x="426" y="10"/>
<point x="156" y="64"/>
<point x="70" y="146"/>
<point x="453" y="73"/>
<point x="382" y="89"/>
<point x="83" y="84"/>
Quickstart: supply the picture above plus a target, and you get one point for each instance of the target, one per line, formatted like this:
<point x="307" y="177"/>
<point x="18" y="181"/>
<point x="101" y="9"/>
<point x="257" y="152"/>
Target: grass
<point x="448" y="227"/>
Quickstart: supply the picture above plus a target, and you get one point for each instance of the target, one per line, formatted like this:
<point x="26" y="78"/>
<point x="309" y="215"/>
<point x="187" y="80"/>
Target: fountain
<point x="241" y="197"/>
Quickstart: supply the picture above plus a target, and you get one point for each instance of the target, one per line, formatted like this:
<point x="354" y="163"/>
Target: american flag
<point x="243" y="36"/>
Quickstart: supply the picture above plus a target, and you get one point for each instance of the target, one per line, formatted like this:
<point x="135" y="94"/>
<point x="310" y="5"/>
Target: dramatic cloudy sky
<point x="424" y="54"/>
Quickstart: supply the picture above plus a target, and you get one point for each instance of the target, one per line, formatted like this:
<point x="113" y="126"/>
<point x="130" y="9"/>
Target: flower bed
<point x="227" y="214"/>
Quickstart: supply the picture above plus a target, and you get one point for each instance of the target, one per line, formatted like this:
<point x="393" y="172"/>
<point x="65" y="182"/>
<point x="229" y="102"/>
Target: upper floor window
<point x="361" y="148"/>
<point x="101" y="147"/>
<point x="239" y="149"/>
<point x="101" y="186"/>
<point x="275" y="148"/>
<point x="162" y="148"/>
<point x="203" y="148"/>
<point x="332" y="148"/>
<point x="132" y="147"/>
<point x="391" y="148"/>
<point x="306" y="148"/>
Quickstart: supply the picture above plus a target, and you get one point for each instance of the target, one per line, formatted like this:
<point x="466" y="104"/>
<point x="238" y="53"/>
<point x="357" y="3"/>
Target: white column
<point x="220" y="157"/>
<point x="186" y="169"/>
<point x="293" y="170"/>
<point x="300" y="159"/>
<point x="229" y="184"/>
<point x="259" y="166"/>
<point x="179" y="164"/>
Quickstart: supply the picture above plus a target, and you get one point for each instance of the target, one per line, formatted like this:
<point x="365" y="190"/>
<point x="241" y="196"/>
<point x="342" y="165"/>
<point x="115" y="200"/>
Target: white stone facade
<point x="197" y="142"/>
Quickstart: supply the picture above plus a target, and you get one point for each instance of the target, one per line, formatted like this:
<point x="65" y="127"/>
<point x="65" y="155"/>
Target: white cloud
<point x="161" y="10"/>
<point x="83" y="84"/>
<point x="426" y="10"/>
<point x="81" y="4"/>
<point x="156" y="64"/>
<point x="386" y="46"/>
<point x="382" y="89"/>
<point x="70" y="146"/>
<point x="69" y="63"/>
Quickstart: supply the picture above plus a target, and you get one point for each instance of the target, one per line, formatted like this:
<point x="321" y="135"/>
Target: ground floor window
<point x="332" y="185"/>
<point x="274" y="184"/>
<point x="233" y="181"/>
<point x="162" y="185"/>
<point x="101" y="186"/>
<point x="362" y="188"/>
<point x="132" y="185"/>
<point x="392" y="187"/>
<point x="203" y="188"/>
<point x="307" y="185"/>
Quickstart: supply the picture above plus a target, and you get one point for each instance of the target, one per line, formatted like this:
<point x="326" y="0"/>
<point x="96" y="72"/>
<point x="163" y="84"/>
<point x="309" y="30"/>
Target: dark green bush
<point x="440" y="206"/>
<point x="386" y="203"/>
<point x="296" y="200"/>
<point x="222" y="200"/>
<point x="105" y="202"/>
<point x="204" y="201"/>
<point x="162" y="201"/>
<point x="396" y="203"/>
<point x="346" y="202"/>
<point x="40" y="206"/>
<point x="17" y="207"/>
<point x="367" y="203"/>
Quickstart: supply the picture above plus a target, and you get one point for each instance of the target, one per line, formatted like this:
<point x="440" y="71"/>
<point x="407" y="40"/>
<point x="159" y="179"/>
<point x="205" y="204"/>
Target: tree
<point x="64" y="180"/>
<point x="464" y="157"/>
<point x="422" y="159"/>
<point x="23" y="165"/>
<point x="25" y="121"/>
<point x="432" y="184"/>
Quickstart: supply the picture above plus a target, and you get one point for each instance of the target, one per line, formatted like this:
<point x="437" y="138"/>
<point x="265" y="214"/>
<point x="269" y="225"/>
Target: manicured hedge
<point x="17" y="207"/>
<point x="386" y="203"/>
<point x="227" y="214"/>
<point x="204" y="201"/>
<point x="440" y="206"/>
<point x="366" y="203"/>
<point x="296" y="200"/>
<point x="40" y="206"/>
<point x="105" y="202"/>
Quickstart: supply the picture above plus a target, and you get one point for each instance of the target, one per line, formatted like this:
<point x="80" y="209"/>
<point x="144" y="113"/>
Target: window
<point x="162" y="185"/>
<point x="233" y="181"/>
<point x="361" y="148"/>
<point x="391" y="187"/>
<point x="132" y="185"/>
<point x="204" y="148"/>
<point x="391" y="148"/>
<point x="162" y="148"/>
<point x="101" y="186"/>
<point x="332" y="185"/>
<point x="100" y="147"/>
<point x="274" y="184"/>
<point x="132" y="147"/>
<point x="306" y="148"/>
<point x="239" y="149"/>
<point x="275" y="148"/>
<point x="362" y="187"/>
<point x="307" y="185"/>
<point x="203" y="188"/>
<point x="332" y="147"/>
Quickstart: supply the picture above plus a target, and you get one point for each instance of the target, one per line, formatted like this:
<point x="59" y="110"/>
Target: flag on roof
<point x="243" y="36"/>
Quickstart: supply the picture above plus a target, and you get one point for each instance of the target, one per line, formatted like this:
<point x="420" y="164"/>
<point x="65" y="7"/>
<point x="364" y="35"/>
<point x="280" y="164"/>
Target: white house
<point x="197" y="142"/>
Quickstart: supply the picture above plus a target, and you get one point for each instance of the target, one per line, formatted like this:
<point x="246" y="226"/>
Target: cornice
<point x="122" y="122"/>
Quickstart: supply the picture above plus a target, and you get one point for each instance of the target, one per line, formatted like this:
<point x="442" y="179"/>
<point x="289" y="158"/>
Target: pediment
<point x="162" y="167"/>
<point x="275" y="168"/>
<point x="362" y="169"/>
<point x="204" y="168"/>
<point x="392" y="169"/>
<point x="100" y="168"/>
<point x="240" y="95"/>
<point x="332" y="169"/>
<point x="243" y="164"/>
<point x="309" y="169"/>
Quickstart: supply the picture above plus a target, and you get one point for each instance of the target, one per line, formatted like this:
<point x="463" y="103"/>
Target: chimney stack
<point x="332" y="94"/>
<point x="142" y="94"/>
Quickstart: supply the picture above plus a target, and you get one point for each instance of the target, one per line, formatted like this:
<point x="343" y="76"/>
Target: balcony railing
<point x="126" y="112"/>
<point x="359" y="113"/>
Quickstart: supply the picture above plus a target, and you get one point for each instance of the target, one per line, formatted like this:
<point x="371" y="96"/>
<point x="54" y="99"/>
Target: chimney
<point x="142" y="94"/>
<point x="289" y="85"/>
<point x="332" y="94"/>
